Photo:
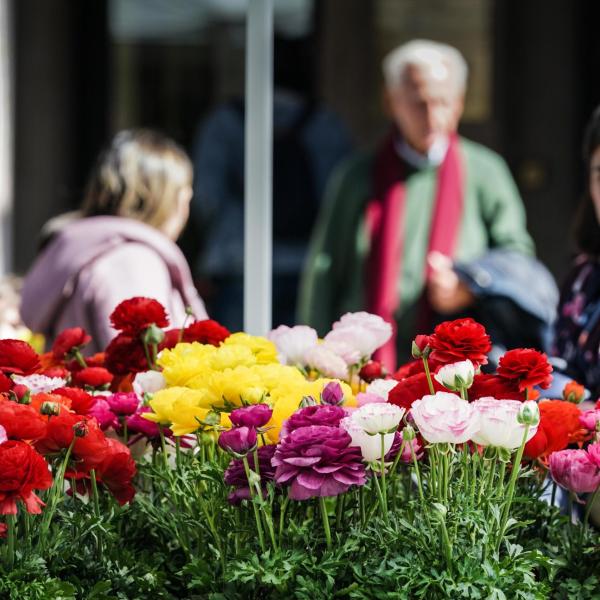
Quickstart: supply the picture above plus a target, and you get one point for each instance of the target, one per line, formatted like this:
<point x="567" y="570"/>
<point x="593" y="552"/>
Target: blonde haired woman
<point x="123" y="244"/>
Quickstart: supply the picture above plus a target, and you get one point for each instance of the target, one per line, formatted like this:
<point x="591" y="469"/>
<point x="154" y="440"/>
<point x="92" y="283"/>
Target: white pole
<point x="6" y="137"/>
<point x="258" y="230"/>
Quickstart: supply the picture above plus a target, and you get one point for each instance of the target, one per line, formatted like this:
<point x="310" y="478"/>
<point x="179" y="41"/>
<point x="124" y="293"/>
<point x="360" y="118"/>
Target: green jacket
<point x="333" y="281"/>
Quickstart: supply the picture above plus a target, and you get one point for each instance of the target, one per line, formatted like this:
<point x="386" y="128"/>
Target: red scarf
<point x="386" y="225"/>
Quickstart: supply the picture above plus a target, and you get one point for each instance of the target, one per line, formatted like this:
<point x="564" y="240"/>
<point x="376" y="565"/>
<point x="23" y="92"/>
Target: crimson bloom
<point x="18" y="357"/>
<point x="123" y="403"/>
<point x="318" y="461"/>
<point x="486" y="385"/>
<point x="93" y="377"/>
<point x="134" y="315"/>
<point x="372" y="370"/>
<point x="256" y="415"/>
<point x="81" y="402"/>
<point x="526" y="367"/>
<point x="68" y="340"/>
<point x="462" y="339"/>
<point x="412" y="388"/>
<point x="124" y="355"/>
<point x="239" y="440"/>
<point x="21" y="421"/>
<point x="22" y="470"/>
<point x="206" y="332"/>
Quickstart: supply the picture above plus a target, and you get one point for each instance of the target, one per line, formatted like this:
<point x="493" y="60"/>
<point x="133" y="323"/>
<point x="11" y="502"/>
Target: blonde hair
<point x="139" y="176"/>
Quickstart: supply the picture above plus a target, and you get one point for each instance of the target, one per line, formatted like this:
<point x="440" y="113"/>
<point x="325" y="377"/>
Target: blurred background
<point x="74" y="72"/>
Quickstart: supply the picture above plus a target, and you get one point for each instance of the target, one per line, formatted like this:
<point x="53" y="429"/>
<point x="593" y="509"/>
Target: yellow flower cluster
<point x="205" y="380"/>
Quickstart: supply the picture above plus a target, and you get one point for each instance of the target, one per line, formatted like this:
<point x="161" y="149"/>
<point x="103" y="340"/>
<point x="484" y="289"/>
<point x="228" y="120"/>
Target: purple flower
<point x="235" y="474"/>
<point x="318" y="461"/>
<point x="575" y="470"/>
<point x="104" y="415"/>
<point x="137" y="424"/>
<point x="123" y="403"/>
<point x="318" y="414"/>
<point x="406" y="452"/>
<point x="256" y="415"/>
<point x="332" y="393"/>
<point x="239" y="440"/>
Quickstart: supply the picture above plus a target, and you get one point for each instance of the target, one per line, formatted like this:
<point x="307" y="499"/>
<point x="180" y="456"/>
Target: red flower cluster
<point x="68" y="340"/>
<point x="21" y="422"/>
<point x="203" y="332"/>
<point x="92" y="377"/>
<point x="18" y="357"/>
<point x="125" y="354"/>
<point x="453" y="341"/>
<point x="410" y="389"/>
<point x="134" y="315"/>
<point x="525" y="367"/>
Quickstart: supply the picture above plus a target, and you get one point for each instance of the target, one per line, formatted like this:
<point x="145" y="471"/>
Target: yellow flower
<point x="185" y="361"/>
<point x="236" y="387"/>
<point x="187" y="416"/>
<point x="274" y="374"/>
<point x="164" y="403"/>
<point x="231" y="356"/>
<point x="264" y="350"/>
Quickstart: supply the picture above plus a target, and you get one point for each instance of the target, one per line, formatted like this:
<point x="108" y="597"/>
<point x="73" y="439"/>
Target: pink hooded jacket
<point x="96" y="262"/>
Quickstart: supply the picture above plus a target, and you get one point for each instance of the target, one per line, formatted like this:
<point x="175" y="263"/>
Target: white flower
<point x="380" y="329"/>
<point x="499" y="425"/>
<point x="370" y="445"/>
<point x="38" y="384"/>
<point x="445" y="418"/>
<point x="456" y="375"/>
<point x="382" y="387"/>
<point x="342" y="348"/>
<point x="326" y="362"/>
<point x="379" y="417"/>
<point x="293" y="342"/>
<point x="148" y="382"/>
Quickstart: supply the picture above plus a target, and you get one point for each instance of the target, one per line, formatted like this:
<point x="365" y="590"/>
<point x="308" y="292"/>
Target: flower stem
<point x="10" y="550"/>
<point x="163" y="445"/>
<point x="261" y="539"/>
<point x="383" y="483"/>
<point x="428" y="375"/>
<point x="380" y="498"/>
<point x="282" y="517"/>
<point x="325" y="521"/>
<point x="589" y="505"/>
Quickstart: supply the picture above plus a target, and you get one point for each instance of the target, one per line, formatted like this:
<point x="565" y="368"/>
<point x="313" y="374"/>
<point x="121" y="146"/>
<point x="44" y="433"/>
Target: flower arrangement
<point x="196" y="462"/>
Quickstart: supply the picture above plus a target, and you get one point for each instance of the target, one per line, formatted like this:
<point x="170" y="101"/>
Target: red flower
<point x="6" y="383"/>
<point x="21" y="422"/>
<point x="81" y="401"/>
<point x="574" y="392"/>
<point x="559" y="426"/>
<point x="372" y="370"/>
<point x="206" y="332"/>
<point x="18" y="357"/>
<point x="67" y="340"/>
<point x="134" y="315"/>
<point x="92" y="377"/>
<point x="61" y="372"/>
<point x="485" y="386"/>
<point x="410" y="389"/>
<point x="526" y="367"/>
<point x="125" y="355"/>
<point x="22" y="470"/>
<point x="453" y="341"/>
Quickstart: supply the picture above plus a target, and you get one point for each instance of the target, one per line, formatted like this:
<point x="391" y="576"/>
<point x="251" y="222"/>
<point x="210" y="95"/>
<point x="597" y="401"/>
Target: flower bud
<point x="50" y="409"/>
<point x="529" y="413"/>
<point x="153" y="335"/>
<point x="371" y="371"/>
<point x="332" y="394"/>
<point x="22" y="393"/>
<point x="239" y="440"/>
<point x="574" y="392"/>
<point x="80" y="429"/>
<point x="307" y="401"/>
<point x="456" y="376"/>
<point x="408" y="433"/>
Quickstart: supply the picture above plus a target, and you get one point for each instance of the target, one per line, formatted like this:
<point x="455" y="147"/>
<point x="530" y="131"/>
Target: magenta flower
<point x="317" y="414"/>
<point x="332" y="393"/>
<point x="593" y="451"/>
<point x="235" y="474"/>
<point x="406" y="452"/>
<point x="239" y="440"/>
<point x="318" y="461"/>
<point x="589" y="419"/>
<point x="104" y="415"/>
<point x="123" y="403"/>
<point x="137" y="424"/>
<point x="575" y="470"/>
<point x="256" y="415"/>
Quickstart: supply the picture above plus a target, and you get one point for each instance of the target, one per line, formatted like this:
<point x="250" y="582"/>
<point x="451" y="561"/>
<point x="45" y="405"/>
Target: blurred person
<point x="309" y="140"/>
<point x="430" y="225"/>
<point x="121" y="244"/>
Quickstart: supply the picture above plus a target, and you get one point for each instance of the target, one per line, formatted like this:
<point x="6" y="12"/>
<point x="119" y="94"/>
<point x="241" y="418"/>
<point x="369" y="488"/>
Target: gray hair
<point x="441" y="60"/>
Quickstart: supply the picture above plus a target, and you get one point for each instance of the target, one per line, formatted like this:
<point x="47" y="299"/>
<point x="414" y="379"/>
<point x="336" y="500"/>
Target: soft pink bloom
<point x="370" y="445"/>
<point x="123" y="403"/>
<point x="589" y="419"/>
<point x="293" y="342"/>
<point x="594" y="453"/>
<point x="102" y="412"/>
<point x="342" y="346"/>
<point x="445" y="418"/>
<point x="380" y="330"/>
<point x="382" y="387"/>
<point x="456" y="375"/>
<point x="575" y="470"/>
<point x="378" y="417"/>
<point x="326" y="362"/>
<point x="499" y="425"/>
<point x="363" y="398"/>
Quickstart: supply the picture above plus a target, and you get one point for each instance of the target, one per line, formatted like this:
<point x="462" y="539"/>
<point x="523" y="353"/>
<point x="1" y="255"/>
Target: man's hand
<point x="446" y="292"/>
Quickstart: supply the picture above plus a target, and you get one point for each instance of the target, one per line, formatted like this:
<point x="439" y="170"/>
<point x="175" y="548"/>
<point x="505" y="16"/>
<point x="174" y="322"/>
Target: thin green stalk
<point x="95" y="497"/>
<point x="339" y="510"/>
<point x="282" y="517"/>
<point x="380" y="498"/>
<point x="261" y="539"/>
<point x="163" y="445"/>
<point x="383" y="483"/>
<point x="11" y="521"/>
<point x="325" y="521"/>
<point x="428" y="375"/>
<point x="178" y="452"/>
<point x="125" y="432"/>
<point x="361" y="501"/>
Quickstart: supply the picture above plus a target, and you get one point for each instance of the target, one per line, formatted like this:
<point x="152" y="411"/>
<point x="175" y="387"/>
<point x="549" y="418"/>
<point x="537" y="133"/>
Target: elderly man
<point x="397" y="222"/>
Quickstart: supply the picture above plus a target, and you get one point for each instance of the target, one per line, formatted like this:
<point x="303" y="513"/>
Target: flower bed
<point x="196" y="463"/>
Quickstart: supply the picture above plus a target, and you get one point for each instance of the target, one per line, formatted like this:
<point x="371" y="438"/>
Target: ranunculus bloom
<point x="103" y="414"/>
<point x="526" y="367"/>
<point x="405" y="392"/>
<point x="148" y="382"/>
<point x="456" y="375"/>
<point x="235" y="474"/>
<point x="559" y="426"/>
<point x="445" y="418"/>
<point x="67" y="340"/>
<point x="22" y="470"/>
<point x="256" y="415"/>
<point x="123" y="403"/>
<point x="372" y="370"/>
<point x="125" y="355"/>
<point x="6" y="383"/>
<point x="378" y="417"/>
<point x="332" y="393"/>
<point x="117" y="470"/>
<point x="293" y="342"/>
<point x="498" y="424"/>
<point x="589" y="419"/>
<point x="318" y="461"/>
<point x="575" y="471"/>
<point x="39" y="383"/>
<point x="206" y="332"/>
<point x="18" y="357"/>
<point x="420" y="344"/>
<point x="362" y="330"/>
<point x="239" y="440"/>
<point x="3" y="436"/>
<point x="81" y="402"/>
<point x="21" y="422"/>
<point x="363" y="398"/>
<point x="382" y="387"/>
<point x="92" y="377"/>
<point x="370" y="445"/>
<point x="593" y="451"/>
<point x="318" y="414"/>
<point x="326" y="362"/>
<point x="485" y="386"/>
<point x="453" y="341"/>
<point x="341" y="346"/>
<point x="137" y="424"/>
<point x="573" y="392"/>
<point x="134" y="315"/>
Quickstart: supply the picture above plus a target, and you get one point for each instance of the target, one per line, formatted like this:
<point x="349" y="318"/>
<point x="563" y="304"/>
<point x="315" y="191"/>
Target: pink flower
<point x="364" y="331"/>
<point x="317" y="414"/>
<point x="326" y="362"/>
<point x="293" y="342"/>
<point x="137" y="424"/>
<point x="256" y="415"/>
<point x="363" y="398"/>
<point x="445" y="418"/>
<point x="318" y="461"/>
<point x="239" y="440"/>
<point x="575" y="470"/>
<point x="332" y="393"/>
<point x="589" y="419"/>
<point x="382" y="387"/>
<point x="103" y="414"/>
<point x="593" y="451"/>
<point x="123" y="403"/>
